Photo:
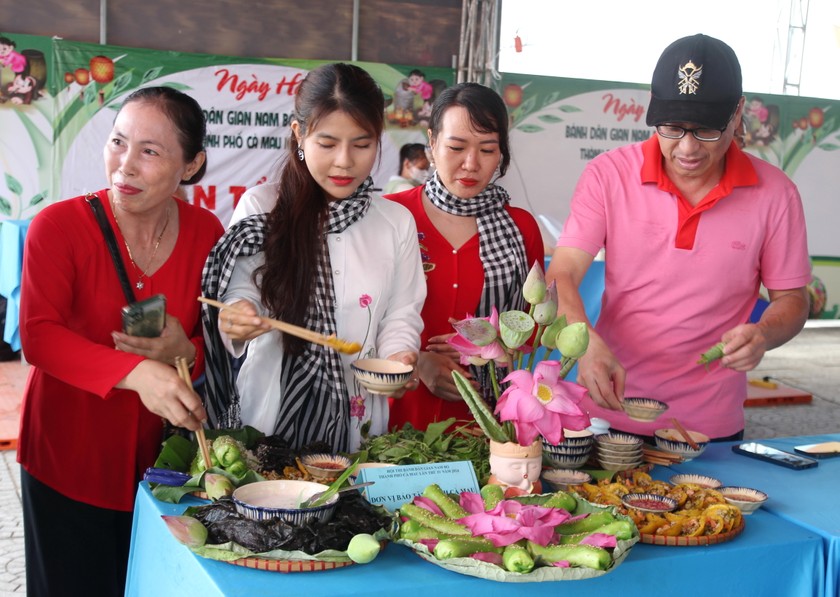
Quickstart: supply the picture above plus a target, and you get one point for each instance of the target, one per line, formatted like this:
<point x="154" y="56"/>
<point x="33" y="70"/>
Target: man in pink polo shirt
<point x="692" y="227"/>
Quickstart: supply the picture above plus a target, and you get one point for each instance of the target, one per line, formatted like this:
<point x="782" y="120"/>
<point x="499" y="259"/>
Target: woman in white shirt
<point x="328" y="257"/>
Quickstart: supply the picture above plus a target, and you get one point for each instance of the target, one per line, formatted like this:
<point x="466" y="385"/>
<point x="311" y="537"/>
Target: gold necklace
<point x="137" y="268"/>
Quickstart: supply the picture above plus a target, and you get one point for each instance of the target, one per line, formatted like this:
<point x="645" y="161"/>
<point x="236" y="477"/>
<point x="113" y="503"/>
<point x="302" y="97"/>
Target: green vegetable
<point x="198" y="465"/>
<point x="413" y="446"/>
<point x="363" y="548"/>
<point x="561" y="499"/>
<point x="217" y="486"/>
<point x="448" y="506"/>
<point x="463" y="547"/>
<point x="481" y="412"/>
<point x="711" y="355"/>
<point x="586" y="525"/>
<point x="516" y="558"/>
<point x="433" y="521"/>
<point x="492" y="494"/>
<point x="620" y="529"/>
<point x="335" y="485"/>
<point x="586" y="556"/>
<point x="238" y="468"/>
<point x="227" y="450"/>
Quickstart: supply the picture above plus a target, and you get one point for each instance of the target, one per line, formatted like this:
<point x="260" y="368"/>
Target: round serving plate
<point x="652" y="539"/>
<point x="288" y="565"/>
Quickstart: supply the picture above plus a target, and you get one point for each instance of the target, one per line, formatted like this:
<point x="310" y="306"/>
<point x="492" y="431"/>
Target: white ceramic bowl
<point x="325" y="467"/>
<point x="619" y="441"/>
<point x="747" y="500"/>
<point x="567" y="450"/>
<point x="670" y="440"/>
<point x="381" y="376"/>
<point x="567" y="460"/>
<point x="643" y="409"/>
<point x="575" y="438"/>
<point x="280" y="499"/>
<point x="562" y="478"/>
<point x="608" y="465"/>
<point x="649" y="502"/>
<point x="701" y="480"/>
<point x="627" y="458"/>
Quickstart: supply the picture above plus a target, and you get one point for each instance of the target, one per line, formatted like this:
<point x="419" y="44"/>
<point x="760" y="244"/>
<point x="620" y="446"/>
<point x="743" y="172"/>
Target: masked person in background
<point x="92" y="407"/>
<point x="414" y="169"/>
<point x="692" y="227"/>
<point x="477" y="249"/>
<point x="330" y="257"/>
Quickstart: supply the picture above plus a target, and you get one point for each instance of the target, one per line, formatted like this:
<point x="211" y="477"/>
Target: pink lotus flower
<point x="365" y="300"/>
<point x="510" y="521"/>
<point x="541" y="404"/>
<point x="477" y="341"/>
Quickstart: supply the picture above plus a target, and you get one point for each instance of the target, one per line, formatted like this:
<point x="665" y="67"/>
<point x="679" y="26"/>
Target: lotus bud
<point x="186" y="530"/>
<point x="516" y="327"/>
<point x="477" y="330"/>
<point x="549" y="337"/>
<point x="217" y="486"/>
<point x="573" y="340"/>
<point x="534" y="287"/>
<point x="546" y="312"/>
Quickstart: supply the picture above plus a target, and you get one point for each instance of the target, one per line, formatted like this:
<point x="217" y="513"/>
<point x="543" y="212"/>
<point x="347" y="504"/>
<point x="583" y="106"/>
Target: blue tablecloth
<point x="808" y="498"/>
<point x="771" y="557"/>
<point x="12" y="236"/>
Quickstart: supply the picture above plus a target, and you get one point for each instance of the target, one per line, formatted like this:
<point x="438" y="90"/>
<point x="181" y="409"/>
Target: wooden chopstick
<point x="312" y="336"/>
<point x="685" y="434"/>
<point x="184" y="372"/>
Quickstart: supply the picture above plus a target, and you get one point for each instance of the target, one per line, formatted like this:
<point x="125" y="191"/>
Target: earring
<point x="300" y="154"/>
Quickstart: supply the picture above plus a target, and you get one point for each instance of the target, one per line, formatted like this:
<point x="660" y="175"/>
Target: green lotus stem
<point x="567" y="364"/>
<point x="493" y="380"/>
<point x="532" y="361"/>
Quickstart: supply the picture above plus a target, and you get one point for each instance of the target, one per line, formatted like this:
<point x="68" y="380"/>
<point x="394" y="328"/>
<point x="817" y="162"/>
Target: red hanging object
<point x="517" y="44"/>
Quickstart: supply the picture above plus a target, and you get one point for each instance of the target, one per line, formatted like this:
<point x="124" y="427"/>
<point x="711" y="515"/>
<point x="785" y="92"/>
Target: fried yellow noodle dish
<point x="700" y="511"/>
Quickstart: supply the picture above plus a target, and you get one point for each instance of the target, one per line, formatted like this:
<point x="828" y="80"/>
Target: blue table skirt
<point x="771" y="557"/>
<point x="808" y="498"/>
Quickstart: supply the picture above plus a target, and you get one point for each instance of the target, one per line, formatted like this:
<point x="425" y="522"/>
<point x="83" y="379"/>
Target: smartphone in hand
<point x="145" y="318"/>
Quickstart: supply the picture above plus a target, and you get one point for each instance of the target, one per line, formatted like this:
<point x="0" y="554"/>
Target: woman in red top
<point x="476" y="248"/>
<point x="95" y="397"/>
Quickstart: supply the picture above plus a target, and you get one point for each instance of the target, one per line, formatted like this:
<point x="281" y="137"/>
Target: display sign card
<point x="395" y="485"/>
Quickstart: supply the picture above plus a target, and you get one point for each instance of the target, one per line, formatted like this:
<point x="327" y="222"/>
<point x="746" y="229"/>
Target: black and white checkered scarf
<point x="314" y="403"/>
<point x="501" y="248"/>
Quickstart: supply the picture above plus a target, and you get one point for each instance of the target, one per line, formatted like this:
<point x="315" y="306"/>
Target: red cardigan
<point x="454" y="282"/>
<point x="79" y="435"/>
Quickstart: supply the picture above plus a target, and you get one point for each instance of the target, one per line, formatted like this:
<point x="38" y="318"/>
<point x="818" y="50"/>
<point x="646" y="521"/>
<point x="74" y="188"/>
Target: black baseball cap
<point x="697" y="80"/>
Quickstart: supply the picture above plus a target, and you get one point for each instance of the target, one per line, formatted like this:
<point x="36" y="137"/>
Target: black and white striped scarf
<point x="501" y="248"/>
<point x="314" y="403"/>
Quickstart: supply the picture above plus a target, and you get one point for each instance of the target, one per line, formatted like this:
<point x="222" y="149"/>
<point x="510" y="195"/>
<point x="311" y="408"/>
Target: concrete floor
<point x="810" y="362"/>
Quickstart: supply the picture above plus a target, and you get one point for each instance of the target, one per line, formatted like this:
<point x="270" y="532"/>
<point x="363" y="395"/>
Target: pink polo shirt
<point x="678" y="277"/>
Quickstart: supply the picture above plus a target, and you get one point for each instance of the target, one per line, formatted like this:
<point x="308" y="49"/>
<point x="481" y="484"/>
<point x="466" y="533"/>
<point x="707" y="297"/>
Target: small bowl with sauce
<point x="649" y="502"/>
<point x="747" y="500"/>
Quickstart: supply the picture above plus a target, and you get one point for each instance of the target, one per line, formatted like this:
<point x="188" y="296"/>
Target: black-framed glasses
<point x="672" y="131"/>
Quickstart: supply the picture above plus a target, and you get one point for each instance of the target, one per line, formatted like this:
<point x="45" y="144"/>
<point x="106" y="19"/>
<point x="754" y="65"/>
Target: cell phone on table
<point x="145" y="318"/>
<point x="774" y="455"/>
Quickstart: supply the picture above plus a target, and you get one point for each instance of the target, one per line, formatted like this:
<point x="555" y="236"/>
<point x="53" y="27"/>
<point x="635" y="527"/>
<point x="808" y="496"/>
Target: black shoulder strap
<point x="111" y="241"/>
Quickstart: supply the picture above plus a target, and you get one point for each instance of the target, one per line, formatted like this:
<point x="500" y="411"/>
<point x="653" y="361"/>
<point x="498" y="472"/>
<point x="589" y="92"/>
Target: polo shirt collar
<point x="738" y="172"/>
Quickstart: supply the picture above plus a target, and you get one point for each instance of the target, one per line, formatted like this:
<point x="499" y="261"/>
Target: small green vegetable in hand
<point x="363" y="548"/>
<point x="711" y="355"/>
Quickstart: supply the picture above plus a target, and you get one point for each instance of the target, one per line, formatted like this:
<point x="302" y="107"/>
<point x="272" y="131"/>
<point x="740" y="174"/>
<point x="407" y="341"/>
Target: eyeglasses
<point x="671" y="131"/>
